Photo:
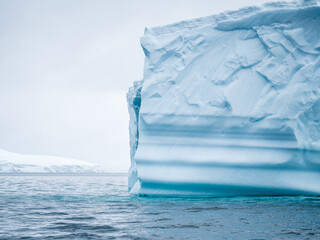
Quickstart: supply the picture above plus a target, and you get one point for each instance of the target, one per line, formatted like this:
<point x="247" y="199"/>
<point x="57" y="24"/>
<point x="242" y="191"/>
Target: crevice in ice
<point x="134" y="104"/>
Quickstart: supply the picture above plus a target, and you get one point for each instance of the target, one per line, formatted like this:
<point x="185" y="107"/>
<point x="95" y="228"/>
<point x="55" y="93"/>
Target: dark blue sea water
<point x="99" y="207"/>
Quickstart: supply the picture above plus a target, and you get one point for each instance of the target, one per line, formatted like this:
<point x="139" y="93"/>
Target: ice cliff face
<point x="229" y="105"/>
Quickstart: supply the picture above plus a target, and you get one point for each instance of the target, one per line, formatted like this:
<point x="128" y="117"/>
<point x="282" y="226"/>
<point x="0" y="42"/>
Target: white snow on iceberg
<point x="23" y="163"/>
<point x="229" y="105"/>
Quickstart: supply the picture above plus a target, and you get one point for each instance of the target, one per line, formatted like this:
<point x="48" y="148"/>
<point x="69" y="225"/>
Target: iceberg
<point x="25" y="163"/>
<point x="229" y="105"/>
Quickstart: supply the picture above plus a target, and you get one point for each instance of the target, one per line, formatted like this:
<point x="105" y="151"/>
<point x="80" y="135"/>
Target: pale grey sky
<point x="65" y="66"/>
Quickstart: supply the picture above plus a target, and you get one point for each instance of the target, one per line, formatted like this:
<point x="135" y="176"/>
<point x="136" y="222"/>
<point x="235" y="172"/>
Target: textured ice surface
<point x="21" y="163"/>
<point x="229" y="105"/>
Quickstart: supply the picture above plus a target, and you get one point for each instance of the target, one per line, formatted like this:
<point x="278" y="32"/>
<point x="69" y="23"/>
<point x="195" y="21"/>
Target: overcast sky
<point x="65" y="66"/>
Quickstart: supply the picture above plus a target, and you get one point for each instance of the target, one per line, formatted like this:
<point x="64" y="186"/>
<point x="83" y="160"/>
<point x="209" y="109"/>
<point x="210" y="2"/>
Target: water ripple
<point x="99" y="207"/>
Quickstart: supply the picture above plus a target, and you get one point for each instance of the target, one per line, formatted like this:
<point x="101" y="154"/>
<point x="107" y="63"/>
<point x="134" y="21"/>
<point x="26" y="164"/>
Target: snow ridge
<point x="22" y="163"/>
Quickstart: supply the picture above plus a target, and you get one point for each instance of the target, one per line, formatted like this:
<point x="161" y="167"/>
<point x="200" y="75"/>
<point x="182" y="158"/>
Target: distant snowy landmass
<point x="229" y="105"/>
<point x="22" y="163"/>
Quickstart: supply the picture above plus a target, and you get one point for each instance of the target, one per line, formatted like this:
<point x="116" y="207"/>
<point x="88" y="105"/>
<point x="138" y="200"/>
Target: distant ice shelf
<point x="229" y="105"/>
<point x="23" y="163"/>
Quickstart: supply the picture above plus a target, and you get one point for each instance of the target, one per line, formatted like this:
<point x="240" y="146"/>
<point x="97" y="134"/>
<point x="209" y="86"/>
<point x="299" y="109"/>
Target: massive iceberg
<point x="229" y="105"/>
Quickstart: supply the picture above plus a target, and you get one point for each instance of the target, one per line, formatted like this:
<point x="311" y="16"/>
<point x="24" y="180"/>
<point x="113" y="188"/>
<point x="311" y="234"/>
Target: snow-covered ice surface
<point x="22" y="163"/>
<point x="229" y="105"/>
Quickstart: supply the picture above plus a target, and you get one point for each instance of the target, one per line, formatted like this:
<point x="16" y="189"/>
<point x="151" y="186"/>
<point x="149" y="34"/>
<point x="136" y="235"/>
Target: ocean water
<point x="99" y="207"/>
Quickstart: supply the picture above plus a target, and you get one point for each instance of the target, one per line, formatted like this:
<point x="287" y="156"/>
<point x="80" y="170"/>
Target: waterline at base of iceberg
<point x="213" y="181"/>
